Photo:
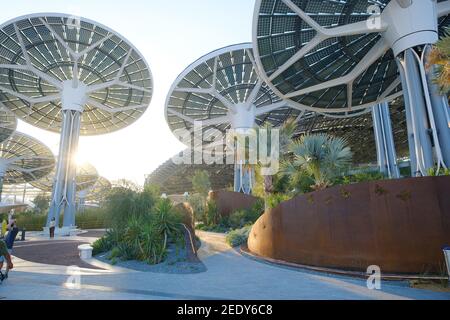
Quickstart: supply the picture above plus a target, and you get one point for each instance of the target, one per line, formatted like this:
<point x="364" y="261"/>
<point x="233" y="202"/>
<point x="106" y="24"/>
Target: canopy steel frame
<point x="78" y="79"/>
<point x="387" y="58"/>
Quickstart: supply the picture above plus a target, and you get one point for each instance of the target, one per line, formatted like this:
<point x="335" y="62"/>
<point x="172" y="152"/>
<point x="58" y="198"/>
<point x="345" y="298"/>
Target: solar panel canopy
<point x="86" y="178"/>
<point x="39" y="52"/>
<point x="172" y="178"/>
<point x="24" y="159"/>
<point x="98" y="191"/>
<point x="226" y="79"/>
<point x="8" y="123"/>
<point x="341" y="69"/>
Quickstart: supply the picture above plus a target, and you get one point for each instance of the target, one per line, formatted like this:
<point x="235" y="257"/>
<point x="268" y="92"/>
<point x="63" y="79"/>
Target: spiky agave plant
<point x="132" y="237"/>
<point x="166" y="222"/>
<point x="319" y="155"/>
<point x="151" y="244"/>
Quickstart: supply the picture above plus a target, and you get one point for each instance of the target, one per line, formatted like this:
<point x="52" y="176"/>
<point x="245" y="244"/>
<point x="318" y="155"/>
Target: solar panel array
<point x="86" y="178"/>
<point x="8" y="123"/>
<point x="177" y="178"/>
<point x="50" y="44"/>
<point x="236" y="77"/>
<point x="280" y="33"/>
<point x="99" y="190"/>
<point x="27" y="159"/>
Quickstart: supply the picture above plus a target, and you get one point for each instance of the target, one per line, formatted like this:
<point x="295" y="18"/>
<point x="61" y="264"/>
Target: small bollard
<point x="22" y="238"/>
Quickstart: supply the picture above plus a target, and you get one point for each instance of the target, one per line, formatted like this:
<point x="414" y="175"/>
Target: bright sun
<point x="81" y="158"/>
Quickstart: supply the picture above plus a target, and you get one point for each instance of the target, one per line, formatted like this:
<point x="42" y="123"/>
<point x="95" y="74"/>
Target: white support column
<point x="391" y="154"/>
<point x="439" y="104"/>
<point x="419" y="113"/>
<point x="74" y="98"/>
<point x="384" y="139"/>
<point x="409" y="126"/>
<point x="381" y="155"/>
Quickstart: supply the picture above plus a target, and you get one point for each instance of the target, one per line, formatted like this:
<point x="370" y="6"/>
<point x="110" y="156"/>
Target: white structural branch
<point x="397" y="32"/>
<point x="80" y="78"/>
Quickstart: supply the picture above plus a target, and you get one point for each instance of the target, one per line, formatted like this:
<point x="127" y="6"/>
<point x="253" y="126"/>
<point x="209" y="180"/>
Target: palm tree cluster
<point x="319" y="156"/>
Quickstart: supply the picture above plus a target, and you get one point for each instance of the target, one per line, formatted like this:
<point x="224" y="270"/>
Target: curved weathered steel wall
<point x="399" y="225"/>
<point x="229" y="201"/>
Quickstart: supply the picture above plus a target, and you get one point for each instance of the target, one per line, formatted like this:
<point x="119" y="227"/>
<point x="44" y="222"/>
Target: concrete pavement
<point x="229" y="275"/>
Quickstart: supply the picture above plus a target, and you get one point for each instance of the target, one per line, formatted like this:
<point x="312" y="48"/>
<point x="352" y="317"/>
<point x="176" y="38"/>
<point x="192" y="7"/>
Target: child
<point x="52" y="226"/>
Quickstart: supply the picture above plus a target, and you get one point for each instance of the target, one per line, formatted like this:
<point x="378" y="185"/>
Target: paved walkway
<point x="229" y="275"/>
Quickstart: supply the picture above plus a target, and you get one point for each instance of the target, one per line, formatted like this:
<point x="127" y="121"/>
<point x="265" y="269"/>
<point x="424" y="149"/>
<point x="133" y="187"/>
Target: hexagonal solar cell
<point x="40" y="51"/>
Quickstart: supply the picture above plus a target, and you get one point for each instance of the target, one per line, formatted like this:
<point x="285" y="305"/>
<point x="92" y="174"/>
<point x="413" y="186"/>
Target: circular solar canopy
<point x="319" y="53"/>
<point x="8" y="123"/>
<point x="98" y="191"/>
<point x="24" y="159"/>
<point x="41" y="51"/>
<point x="174" y="178"/>
<point x="217" y="85"/>
<point x="86" y="177"/>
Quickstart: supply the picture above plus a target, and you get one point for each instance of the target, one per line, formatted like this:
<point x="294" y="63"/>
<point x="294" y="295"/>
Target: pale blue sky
<point x="171" y="35"/>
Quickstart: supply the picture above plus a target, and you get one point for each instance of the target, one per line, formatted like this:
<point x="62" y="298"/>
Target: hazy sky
<point x="171" y="35"/>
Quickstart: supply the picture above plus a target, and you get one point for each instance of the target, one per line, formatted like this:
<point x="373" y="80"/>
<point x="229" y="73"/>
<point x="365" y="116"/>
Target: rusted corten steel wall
<point x="399" y="225"/>
<point x="229" y="202"/>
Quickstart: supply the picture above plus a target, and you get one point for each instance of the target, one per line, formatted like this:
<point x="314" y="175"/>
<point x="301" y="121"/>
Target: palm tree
<point x="286" y="133"/>
<point x="440" y="58"/>
<point x="319" y="155"/>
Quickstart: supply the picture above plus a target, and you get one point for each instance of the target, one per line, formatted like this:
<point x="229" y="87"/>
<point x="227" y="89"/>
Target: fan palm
<point x="320" y="156"/>
<point x="286" y="133"/>
<point x="440" y="58"/>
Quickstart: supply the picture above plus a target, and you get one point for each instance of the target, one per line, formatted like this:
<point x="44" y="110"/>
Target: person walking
<point x="5" y="255"/>
<point x="9" y="239"/>
<point x="52" y="228"/>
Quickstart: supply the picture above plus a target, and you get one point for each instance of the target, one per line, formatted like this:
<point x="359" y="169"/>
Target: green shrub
<point x="144" y="236"/>
<point x="115" y="253"/>
<point x="122" y="204"/>
<point x="152" y="245"/>
<point x="101" y="245"/>
<point x="255" y="211"/>
<point x="212" y="213"/>
<point x="405" y="171"/>
<point x="433" y="172"/>
<point x="127" y="252"/>
<point x="239" y="236"/>
<point x="89" y="219"/>
<point x="41" y="203"/>
<point x="360" y="177"/>
<point x="95" y="218"/>
<point x="275" y="199"/>
<point x="31" y="221"/>
<point x="197" y="203"/>
<point x="238" y="219"/>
